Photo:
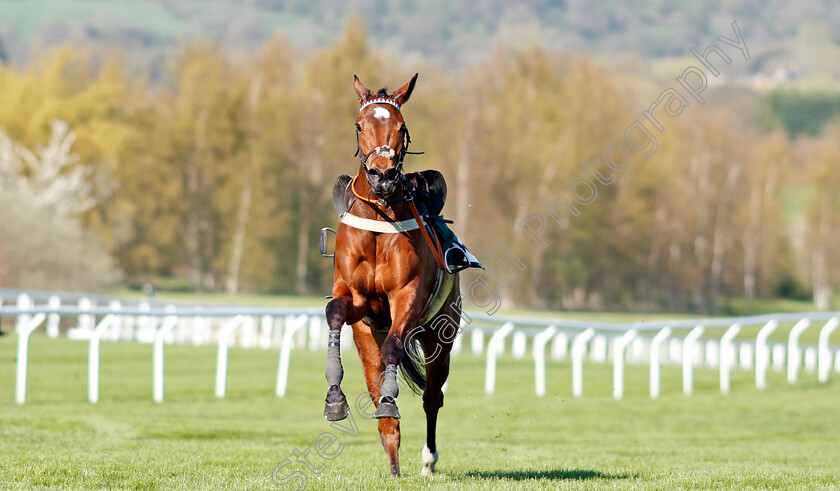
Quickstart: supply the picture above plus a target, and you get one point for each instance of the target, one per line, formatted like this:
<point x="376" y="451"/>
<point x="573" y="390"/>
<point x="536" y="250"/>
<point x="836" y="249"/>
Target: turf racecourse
<point x="782" y="438"/>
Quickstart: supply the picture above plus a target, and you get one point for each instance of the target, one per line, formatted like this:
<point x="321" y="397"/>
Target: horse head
<point x="382" y="136"/>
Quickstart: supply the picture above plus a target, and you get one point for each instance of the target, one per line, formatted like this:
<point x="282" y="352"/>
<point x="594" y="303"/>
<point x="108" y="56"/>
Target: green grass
<point x="784" y="437"/>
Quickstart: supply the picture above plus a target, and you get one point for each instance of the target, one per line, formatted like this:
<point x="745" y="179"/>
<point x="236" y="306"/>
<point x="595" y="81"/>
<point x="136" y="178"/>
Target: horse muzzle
<point x="383" y="184"/>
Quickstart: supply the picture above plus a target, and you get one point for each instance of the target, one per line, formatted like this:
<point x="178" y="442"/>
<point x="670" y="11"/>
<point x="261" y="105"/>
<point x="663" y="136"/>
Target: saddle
<point x="429" y="190"/>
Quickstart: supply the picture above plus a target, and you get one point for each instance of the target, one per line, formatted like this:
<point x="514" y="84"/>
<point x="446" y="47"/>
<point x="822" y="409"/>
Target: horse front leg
<point x="403" y="311"/>
<point x="338" y="312"/>
<point x="374" y="370"/>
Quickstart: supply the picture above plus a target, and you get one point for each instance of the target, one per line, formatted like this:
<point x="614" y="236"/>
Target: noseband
<point x="385" y="150"/>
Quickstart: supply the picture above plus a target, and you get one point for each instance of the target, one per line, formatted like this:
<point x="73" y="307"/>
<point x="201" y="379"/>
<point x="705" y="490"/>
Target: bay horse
<point x="385" y="274"/>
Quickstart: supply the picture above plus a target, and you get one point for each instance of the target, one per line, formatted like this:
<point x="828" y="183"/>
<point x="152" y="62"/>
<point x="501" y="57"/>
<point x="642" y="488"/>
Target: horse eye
<point x="358" y="127"/>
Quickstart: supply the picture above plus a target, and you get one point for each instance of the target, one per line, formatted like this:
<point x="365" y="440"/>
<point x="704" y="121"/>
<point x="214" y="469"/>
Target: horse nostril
<point x="391" y="175"/>
<point x="375" y="174"/>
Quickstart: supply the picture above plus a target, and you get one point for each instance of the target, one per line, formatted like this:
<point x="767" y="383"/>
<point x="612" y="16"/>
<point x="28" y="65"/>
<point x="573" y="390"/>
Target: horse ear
<point x="403" y="93"/>
<point x="361" y="90"/>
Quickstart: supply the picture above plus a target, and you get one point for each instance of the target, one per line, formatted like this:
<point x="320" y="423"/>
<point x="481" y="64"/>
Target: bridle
<point x="384" y="150"/>
<point x="407" y="196"/>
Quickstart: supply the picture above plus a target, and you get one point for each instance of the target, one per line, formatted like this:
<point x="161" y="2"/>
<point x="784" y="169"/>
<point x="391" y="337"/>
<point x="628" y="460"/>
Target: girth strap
<point x="379" y="226"/>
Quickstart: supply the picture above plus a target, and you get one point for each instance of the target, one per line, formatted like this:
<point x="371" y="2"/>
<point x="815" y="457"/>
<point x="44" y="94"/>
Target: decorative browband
<point x="380" y="100"/>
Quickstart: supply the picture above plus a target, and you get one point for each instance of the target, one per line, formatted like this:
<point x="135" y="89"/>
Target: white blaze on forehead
<point x="381" y="113"/>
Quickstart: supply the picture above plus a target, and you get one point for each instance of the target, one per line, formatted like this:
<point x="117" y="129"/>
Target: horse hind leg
<point x="437" y="372"/>
<point x="429" y="459"/>
<point x="336" y="407"/>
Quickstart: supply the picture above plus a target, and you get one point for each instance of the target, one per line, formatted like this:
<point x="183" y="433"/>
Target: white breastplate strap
<point x="379" y="226"/>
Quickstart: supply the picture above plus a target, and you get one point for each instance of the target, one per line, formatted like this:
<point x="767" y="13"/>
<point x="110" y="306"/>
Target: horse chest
<point x="396" y="263"/>
<point x="385" y="263"/>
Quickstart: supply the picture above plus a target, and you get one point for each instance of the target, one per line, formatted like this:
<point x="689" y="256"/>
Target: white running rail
<point x="689" y="344"/>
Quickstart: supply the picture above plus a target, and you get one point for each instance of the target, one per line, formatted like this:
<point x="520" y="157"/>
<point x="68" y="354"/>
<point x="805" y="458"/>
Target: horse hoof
<point x="387" y="409"/>
<point x="336" y="407"/>
<point x="429" y="461"/>
<point x="336" y="411"/>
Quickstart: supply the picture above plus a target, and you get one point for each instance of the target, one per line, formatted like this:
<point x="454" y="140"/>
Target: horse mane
<point x="383" y="92"/>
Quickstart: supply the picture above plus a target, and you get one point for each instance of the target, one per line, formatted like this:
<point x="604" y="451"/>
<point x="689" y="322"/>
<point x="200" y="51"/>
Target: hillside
<point x="448" y="33"/>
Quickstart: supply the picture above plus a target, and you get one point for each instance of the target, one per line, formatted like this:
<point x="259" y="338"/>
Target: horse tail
<point x="412" y="366"/>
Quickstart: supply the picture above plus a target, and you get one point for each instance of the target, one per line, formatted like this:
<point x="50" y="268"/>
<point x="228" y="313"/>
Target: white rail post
<point x="578" y="352"/>
<point x="540" y="340"/>
<point x="222" y="356"/>
<point x="655" y="356"/>
<point x="87" y="322"/>
<point x="794" y="354"/>
<point x="598" y="349"/>
<point x="116" y="329"/>
<point x="519" y="346"/>
<point x="291" y="328"/>
<point x="168" y="324"/>
<point x="494" y="348"/>
<point x="53" y="320"/>
<point x="93" y="357"/>
<point x="688" y="359"/>
<point x="618" y="362"/>
<point x="638" y="354"/>
<point x="458" y="342"/>
<point x="248" y="333"/>
<point x="779" y="352"/>
<point x="314" y="337"/>
<point x="675" y="350"/>
<point x="199" y="332"/>
<point x="725" y="356"/>
<point x="182" y="330"/>
<point x="811" y="355"/>
<point x="266" y="328"/>
<point x="745" y="356"/>
<point x="712" y="351"/>
<point x="560" y="346"/>
<point x="144" y="324"/>
<point x="762" y="353"/>
<point x="23" y="355"/>
<point x="477" y="341"/>
<point x="24" y="301"/>
<point x="824" y="349"/>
